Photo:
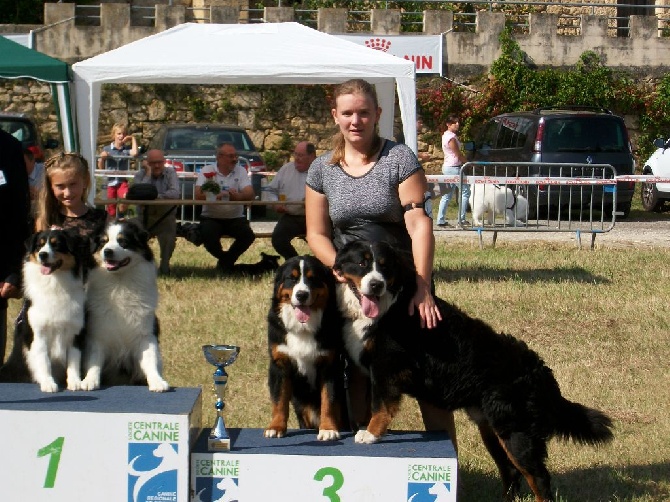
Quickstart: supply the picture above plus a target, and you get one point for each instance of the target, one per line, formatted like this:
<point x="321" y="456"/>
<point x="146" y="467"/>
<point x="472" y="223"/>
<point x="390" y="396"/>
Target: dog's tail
<point x="582" y="424"/>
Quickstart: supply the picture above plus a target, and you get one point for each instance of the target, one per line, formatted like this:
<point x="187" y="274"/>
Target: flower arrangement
<point x="210" y="185"/>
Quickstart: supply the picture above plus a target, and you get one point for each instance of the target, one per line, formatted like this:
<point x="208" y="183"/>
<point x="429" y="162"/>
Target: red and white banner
<point x="424" y="50"/>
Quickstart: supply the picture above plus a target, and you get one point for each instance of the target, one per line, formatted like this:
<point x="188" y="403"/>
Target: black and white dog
<point x="462" y="363"/>
<point x="122" y="327"/>
<point x="304" y="345"/>
<point x="48" y="331"/>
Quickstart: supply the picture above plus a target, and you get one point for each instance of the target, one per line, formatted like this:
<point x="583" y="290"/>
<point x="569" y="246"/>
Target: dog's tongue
<point x="45" y="269"/>
<point x="302" y="313"/>
<point x="370" y="306"/>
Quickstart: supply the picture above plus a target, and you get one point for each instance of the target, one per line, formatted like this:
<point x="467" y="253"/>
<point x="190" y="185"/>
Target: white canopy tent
<point x="272" y="53"/>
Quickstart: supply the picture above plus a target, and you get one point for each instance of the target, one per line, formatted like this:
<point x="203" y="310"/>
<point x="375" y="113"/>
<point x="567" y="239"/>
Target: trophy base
<point x="218" y="444"/>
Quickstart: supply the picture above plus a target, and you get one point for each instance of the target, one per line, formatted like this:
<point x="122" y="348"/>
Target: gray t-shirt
<point x="355" y="202"/>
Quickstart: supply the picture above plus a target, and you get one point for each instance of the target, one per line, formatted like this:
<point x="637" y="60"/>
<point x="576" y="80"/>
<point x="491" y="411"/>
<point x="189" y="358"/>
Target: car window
<point x="206" y="140"/>
<point x="19" y="129"/>
<point x="513" y="132"/>
<point x="587" y="133"/>
<point x="487" y="138"/>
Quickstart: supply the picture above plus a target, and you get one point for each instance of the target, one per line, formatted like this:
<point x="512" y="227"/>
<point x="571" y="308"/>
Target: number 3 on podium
<point x="338" y="481"/>
<point x="54" y="449"/>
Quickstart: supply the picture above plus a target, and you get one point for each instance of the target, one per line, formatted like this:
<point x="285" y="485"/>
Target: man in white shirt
<point x="219" y="220"/>
<point x="289" y="185"/>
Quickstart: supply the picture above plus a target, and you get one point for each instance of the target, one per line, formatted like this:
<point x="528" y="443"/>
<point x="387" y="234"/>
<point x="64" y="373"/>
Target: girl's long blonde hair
<point x="362" y="88"/>
<point x="48" y="207"/>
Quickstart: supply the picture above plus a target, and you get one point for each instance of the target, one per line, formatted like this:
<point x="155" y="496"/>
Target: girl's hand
<point x="423" y="300"/>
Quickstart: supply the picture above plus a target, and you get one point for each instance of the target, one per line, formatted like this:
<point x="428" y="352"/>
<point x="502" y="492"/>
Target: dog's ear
<point x="31" y="241"/>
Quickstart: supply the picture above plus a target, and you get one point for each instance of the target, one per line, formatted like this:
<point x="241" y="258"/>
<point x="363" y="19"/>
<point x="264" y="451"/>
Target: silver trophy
<point x="220" y="356"/>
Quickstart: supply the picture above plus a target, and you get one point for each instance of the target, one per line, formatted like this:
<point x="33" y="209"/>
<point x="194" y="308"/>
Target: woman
<point x="453" y="160"/>
<point x="372" y="188"/>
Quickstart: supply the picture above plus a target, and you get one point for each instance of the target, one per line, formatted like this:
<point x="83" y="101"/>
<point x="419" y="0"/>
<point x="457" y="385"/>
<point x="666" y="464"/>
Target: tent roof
<point x="230" y="53"/>
<point x="19" y="61"/>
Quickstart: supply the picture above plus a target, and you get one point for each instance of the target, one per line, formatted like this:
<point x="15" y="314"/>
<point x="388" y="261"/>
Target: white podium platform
<point x="404" y="466"/>
<point x="112" y="445"/>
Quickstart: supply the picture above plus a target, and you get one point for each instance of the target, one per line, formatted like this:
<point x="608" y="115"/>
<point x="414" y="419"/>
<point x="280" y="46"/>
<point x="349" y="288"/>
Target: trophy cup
<point x="220" y="356"/>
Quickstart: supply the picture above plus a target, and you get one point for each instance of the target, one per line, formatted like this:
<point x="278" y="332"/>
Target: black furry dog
<point x="505" y="387"/>
<point x="304" y="345"/>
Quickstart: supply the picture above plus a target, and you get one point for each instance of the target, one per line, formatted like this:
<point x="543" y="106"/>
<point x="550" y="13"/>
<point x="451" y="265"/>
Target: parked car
<point x="567" y="135"/>
<point x="188" y="147"/>
<point x="654" y="195"/>
<point x="24" y="128"/>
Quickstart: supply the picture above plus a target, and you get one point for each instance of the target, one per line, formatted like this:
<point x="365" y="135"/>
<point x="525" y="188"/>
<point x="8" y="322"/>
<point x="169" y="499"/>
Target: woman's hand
<point x="425" y="303"/>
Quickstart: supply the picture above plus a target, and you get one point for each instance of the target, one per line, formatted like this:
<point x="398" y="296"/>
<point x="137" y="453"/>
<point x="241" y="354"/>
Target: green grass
<point x="600" y="319"/>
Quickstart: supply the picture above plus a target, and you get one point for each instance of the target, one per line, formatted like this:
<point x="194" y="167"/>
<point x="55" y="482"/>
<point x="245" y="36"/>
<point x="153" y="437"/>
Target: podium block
<point x="115" y="444"/>
<point x="402" y="467"/>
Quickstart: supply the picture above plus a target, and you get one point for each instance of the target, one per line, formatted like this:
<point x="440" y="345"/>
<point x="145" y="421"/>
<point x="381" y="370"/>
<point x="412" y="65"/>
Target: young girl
<point x="111" y="161"/>
<point x="62" y="199"/>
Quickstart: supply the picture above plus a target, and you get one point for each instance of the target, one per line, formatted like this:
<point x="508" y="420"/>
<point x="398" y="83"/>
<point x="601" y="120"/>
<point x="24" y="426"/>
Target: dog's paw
<point x="274" y="433"/>
<point x="49" y="385"/>
<point x="73" y="384"/>
<point x="365" y="437"/>
<point x="89" y="384"/>
<point x="327" y="435"/>
<point x="158" y="385"/>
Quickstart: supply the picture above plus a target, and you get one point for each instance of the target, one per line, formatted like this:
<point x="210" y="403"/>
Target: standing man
<point x="219" y="220"/>
<point x="160" y="221"/>
<point x="14" y="214"/>
<point x="289" y="185"/>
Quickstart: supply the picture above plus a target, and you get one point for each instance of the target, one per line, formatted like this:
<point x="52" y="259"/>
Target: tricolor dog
<point x="304" y="345"/>
<point x="503" y="386"/>
<point x="48" y="331"/>
<point x="122" y="327"/>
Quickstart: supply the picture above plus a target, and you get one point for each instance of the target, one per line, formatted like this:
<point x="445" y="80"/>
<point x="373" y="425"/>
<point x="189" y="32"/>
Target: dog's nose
<point x="376" y="287"/>
<point x="108" y="253"/>
<point x="302" y="296"/>
<point x="43" y="255"/>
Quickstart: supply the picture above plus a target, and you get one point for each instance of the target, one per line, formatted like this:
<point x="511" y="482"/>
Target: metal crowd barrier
<point x="577" y="198"/>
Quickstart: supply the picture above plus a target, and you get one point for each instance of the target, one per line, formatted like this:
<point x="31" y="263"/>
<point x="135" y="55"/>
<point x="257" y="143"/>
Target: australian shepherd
<point x="504" y="387"/>
<point x="48" y="330"/>
<point x="304" y="344"/>
<point x="122" y="327"/>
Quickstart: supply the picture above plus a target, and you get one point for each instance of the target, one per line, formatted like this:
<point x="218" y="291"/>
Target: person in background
<point x="219" y="220"/>
<point x="14" y="226"/>
<point x="63" y="199"/>
<point x="289" y="185"/>
<point x="453" y="160"/>
<point x="160" y="221"/>
<point x="112" y="159"/>
<point x="35" y="172"/>
<point x="372" y="188"/>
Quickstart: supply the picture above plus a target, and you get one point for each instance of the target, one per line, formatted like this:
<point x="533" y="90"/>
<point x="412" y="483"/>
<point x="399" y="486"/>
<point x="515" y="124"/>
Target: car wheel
<point x="623" y="209"/>
<point x="650" y="198"/>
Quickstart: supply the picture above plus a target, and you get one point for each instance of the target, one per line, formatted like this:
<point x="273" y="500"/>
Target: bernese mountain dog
<point x="504" y="387"/>
<point x="49" y="329"/>
<point x="304" y="344"/>
<point x="121" y="344"/>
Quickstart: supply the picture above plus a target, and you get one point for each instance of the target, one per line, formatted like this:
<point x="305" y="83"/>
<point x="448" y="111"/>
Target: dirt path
<point x="625" y="233"/>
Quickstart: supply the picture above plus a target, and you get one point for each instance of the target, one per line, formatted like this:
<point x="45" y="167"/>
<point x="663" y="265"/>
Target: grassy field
<point x="599" y="318"/>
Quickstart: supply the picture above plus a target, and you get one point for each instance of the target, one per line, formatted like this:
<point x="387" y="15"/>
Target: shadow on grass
<point x="595" y="484"/>
<point x="538" y="275"/>
<point x="210" y="272"/>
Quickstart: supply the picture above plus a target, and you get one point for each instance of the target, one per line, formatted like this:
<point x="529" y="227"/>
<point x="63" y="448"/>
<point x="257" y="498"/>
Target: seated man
<point x="219" y="220"/>
<point x="160" y="221"/>
<point x="289" y="184"/>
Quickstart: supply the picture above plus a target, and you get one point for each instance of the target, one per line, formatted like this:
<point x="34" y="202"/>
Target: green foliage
<point x="655" y="121"/>
<point x="515" y="85"/>
<point x="273" y="159"/>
